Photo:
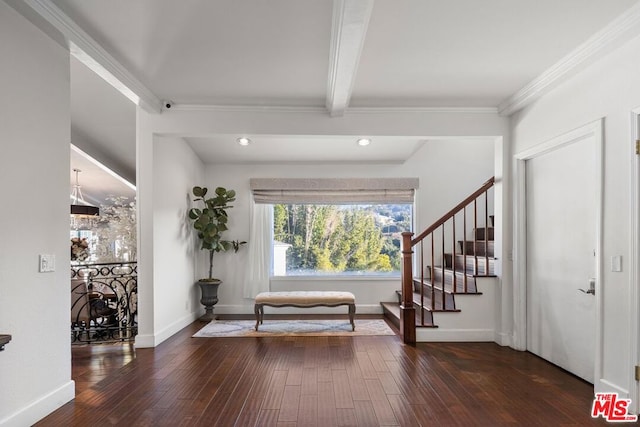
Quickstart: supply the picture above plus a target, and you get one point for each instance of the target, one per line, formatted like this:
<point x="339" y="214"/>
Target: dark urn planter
<point x="209" y="292"/>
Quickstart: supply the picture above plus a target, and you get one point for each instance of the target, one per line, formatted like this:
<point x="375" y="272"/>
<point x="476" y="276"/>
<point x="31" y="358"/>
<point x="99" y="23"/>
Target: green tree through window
<point x="341" y="239"/>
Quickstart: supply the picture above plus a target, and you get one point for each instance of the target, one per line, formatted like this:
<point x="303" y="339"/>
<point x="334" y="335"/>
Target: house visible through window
<point x="341" y="239"/>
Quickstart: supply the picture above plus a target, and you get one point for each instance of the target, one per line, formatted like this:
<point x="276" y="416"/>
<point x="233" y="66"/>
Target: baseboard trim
<point x="604" y="386"/>
<point x="42" y="407"/>
<point x="150" y="341"/>
<point x="454" y="335"/>
<point x="503" y="339"/>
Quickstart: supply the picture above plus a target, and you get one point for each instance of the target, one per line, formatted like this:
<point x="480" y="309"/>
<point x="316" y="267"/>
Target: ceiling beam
<point x="348" y="31"/>
<point x="89" y="52"/>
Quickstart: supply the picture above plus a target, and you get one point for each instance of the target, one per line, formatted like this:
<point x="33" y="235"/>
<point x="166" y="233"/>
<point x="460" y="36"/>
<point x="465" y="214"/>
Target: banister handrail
<point x="453" y="211"/>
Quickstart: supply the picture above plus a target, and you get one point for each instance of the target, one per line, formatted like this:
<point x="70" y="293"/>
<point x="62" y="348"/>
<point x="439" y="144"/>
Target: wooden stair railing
<point x="474" y="258"/>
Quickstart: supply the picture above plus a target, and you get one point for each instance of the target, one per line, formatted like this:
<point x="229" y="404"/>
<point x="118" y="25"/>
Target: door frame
<point x="595" y="130"/>
<point x="634" y="273"/>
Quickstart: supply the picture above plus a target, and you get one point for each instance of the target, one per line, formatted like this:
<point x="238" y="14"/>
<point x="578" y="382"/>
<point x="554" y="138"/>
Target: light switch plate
<point x="47" y="263"/>
<point x="616" y="263"/>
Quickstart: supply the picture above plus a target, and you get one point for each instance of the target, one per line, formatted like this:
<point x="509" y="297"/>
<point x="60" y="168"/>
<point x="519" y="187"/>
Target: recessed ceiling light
<point x="364" y="142"/>
<point x="243" y="141"/>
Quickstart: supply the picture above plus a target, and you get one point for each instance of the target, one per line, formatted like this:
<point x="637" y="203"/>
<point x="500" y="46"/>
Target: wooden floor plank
<point x="290" y="404"/>
<point x="327" y="413"/>
<point x="342" y="389"/>
<point x="365" y="413"/>
<point x="381" y="405"/>
<point x="308" y="411"/>
<point x="323" y="381"/>
<point x="310" y="381"/>
<point x="275" y="391"/>
<point x="346" y="417"/>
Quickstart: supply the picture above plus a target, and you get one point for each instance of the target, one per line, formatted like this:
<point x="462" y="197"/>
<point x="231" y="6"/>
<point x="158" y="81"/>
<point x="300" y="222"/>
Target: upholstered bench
<point x="304" y="299"/>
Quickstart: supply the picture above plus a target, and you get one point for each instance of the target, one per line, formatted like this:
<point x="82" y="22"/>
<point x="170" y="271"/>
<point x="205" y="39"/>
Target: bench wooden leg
<point x="352" y="312"/>
<point x="259" y="312"/>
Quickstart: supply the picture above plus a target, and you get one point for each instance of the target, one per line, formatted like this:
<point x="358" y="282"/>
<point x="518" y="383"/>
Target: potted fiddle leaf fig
<point x="210" y="221"/>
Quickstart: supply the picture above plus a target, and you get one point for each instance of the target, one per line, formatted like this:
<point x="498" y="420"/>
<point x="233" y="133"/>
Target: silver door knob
<point x="592" y="287"/>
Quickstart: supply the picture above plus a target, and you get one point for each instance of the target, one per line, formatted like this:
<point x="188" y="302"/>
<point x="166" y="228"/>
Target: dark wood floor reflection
<point x="319" y="381"/>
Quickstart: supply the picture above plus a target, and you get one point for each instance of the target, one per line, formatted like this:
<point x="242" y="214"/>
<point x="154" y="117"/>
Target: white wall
<point x="176" y="170"/>
<point x="610" y="88"/>
<point x="449" y="170"/>
<point x="35" y="368"/>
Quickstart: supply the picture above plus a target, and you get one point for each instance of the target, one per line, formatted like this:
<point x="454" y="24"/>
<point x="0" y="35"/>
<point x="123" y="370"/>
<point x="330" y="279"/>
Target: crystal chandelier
<point x="83" y="216"/>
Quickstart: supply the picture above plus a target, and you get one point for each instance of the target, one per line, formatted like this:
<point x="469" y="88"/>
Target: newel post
<point x="407" y="310"/>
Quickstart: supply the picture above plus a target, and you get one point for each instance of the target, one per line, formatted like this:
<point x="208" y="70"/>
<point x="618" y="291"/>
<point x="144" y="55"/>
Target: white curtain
<point x="259" y="268"/>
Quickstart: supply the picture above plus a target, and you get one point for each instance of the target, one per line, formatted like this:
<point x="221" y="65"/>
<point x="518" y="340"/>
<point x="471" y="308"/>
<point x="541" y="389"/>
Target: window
<point x="318" y="222"/>
<point x="344" y="239"/>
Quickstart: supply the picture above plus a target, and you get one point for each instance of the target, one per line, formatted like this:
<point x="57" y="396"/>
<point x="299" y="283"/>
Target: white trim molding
<point x="594" y="129"/>
<point x="634" y="269"/>
<point x="150" y="341"/>
<point x="83" y="47"/>
<point x="284" y="109"/>
<point x="604" y="41"/>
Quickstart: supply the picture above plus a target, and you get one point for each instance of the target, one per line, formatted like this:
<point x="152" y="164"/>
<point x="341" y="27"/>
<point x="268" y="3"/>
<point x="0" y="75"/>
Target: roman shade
<point x="333" y="190"/>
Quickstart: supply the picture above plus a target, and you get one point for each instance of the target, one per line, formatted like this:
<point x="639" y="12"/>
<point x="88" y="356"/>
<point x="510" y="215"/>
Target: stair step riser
<point x="438" y="296"/>
<point x="392" y="313"/>
<point x="480" y="248"/>
<point x="470" y="266"/>
<point x="448" y="280"/>
<point x="428" y="317"/>
<point x="480" y="233"/>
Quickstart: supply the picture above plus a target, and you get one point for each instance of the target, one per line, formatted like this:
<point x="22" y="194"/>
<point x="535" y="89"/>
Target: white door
<point x="561" y="212"/>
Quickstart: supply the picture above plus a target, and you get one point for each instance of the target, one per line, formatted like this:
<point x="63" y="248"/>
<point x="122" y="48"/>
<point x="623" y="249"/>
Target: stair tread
<point x="393" y="309"/>
<point x="427" y="302"/>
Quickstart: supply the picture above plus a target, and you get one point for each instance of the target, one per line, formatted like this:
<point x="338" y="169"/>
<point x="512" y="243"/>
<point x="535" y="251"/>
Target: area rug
<point x="308" y="328"/>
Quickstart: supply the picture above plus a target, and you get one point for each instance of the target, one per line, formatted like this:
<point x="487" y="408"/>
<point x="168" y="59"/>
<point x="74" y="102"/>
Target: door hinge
<point x="637" y="373"/>
<point x="637" y="146"/>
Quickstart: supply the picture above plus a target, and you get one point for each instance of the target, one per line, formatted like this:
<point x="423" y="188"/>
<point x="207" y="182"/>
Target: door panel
<point x="561" y="241"/>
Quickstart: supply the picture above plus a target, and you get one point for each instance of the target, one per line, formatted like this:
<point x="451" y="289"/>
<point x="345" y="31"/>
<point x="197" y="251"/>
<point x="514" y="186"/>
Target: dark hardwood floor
<point x="319" y="381"/>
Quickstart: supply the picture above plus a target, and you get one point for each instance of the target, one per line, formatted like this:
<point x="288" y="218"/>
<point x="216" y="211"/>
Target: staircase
<point x="448" y="268"/>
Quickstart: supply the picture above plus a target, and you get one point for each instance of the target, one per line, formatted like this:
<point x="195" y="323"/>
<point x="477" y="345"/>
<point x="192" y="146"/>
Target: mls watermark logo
<point x="612" y="409"/>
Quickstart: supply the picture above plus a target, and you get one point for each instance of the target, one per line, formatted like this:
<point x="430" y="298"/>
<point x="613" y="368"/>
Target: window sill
<point x="335" y="278"/>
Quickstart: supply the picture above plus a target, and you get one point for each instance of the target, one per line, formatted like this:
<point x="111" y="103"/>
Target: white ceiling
<point x="365" y="53"/>
<point x="311" y="149"/>
<point x="277" y="52"/>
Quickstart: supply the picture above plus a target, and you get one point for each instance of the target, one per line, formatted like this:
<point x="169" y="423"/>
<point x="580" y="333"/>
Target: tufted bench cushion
<point x="304" y="299"/>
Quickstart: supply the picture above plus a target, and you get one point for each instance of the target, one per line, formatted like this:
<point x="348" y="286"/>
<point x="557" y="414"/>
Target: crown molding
<point x="609" y="38"/>
<point x="245" y="108"/>
<point x="348" y="30"/>
<point x="422" y="110"/>
<point x="292" y="109"/>
<point x="89" y="52"/>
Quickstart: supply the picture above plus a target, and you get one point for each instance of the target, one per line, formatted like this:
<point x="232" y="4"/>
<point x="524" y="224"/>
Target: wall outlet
<point x="47" y="263"/>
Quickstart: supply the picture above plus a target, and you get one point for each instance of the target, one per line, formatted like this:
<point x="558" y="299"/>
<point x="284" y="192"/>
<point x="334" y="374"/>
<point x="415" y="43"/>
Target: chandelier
<point x="83" y="215"/>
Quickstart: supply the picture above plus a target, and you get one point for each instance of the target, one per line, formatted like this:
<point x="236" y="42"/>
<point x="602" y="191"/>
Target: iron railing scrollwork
<point x="104" y="302"/>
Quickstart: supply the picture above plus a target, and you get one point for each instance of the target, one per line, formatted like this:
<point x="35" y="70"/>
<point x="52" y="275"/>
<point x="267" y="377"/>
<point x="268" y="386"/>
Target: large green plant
<point x="211" y="221"/>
